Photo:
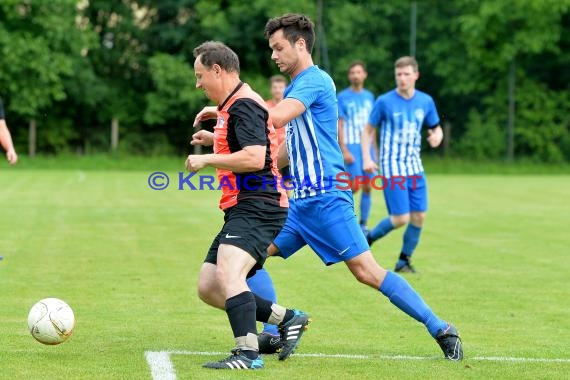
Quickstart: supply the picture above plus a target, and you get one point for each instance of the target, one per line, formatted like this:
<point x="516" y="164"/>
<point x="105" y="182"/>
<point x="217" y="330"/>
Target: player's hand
<point x="435" y="136"/>
<point x="348" y="157"/>
<point x="202" y="138"/>
<point x="12" y="157"/>
<point x="369" y="166"/>
<point x="207" y="113"/>
<point x="196" y="162"/>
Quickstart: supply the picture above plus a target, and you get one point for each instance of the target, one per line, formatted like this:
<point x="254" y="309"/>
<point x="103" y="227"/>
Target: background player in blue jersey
<point x="319" y="215"/>
<point x="354" y="106"/>
<point x="400" y="115"/>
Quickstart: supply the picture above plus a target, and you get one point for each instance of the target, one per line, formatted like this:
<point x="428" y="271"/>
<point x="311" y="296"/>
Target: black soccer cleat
<point x="236" y="360"/>
<point x="291" y="332"/>
<point x="405" y="268"/>
<point x="269" y="343"/>
<point x="450" y="343"/>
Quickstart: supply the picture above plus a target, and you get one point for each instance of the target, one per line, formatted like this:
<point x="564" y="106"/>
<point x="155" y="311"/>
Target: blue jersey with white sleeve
<point x="354" y="109"/>
<point x="315" y="157"/>
<point x="400" y="122"/>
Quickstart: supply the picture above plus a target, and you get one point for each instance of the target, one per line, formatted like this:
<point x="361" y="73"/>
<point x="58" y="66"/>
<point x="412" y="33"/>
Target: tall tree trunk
<point x="511" y="112"/>
<point x="32" y="133"/>
<point x="446" y="137"/>
<point x="114" y="134"/>
<point x="413" y="27"/>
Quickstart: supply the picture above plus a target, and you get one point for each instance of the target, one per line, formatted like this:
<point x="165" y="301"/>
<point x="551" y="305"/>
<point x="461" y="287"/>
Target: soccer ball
<point x="51" y="321"/>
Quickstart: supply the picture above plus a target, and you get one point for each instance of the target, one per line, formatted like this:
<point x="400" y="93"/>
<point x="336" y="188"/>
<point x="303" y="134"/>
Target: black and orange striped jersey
<point x="243" y="120"/>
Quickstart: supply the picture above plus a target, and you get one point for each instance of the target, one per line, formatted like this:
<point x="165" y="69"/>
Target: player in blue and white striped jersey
<point x="354" y="106"/>
<point x="399" y="116"/>
<point x="323" y="218"/>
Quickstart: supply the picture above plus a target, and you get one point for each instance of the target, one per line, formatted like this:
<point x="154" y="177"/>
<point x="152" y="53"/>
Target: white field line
<point x="161" y="366"/>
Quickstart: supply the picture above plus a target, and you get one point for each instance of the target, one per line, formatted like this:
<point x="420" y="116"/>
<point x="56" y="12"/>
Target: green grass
<point x="432" y="163"/>
<point x="493" y="260"/>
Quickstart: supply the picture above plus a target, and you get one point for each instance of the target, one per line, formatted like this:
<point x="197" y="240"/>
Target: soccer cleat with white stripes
<point x="236" y="360"/>
<point x="269" y="343"/>
<point x="291" y="333"/>
<point x="450" y="343"/>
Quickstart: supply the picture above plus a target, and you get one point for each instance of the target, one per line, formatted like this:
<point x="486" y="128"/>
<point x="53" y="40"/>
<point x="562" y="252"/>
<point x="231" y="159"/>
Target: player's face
<point x="206" y="79"/>
<point x="277" y="90"/>
<point x="285" y="54"/>
<point x="357" y="75"/>
<point x="406" y="78"/>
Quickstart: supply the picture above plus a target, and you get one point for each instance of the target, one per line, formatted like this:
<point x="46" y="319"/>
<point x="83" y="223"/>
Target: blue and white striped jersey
<point x="399" y="139"/>
<point x="354" y="109"/>
<point x="315" y="157"/>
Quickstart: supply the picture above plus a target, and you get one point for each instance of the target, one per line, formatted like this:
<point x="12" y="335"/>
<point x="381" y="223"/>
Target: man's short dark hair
<point x="406" y="61"/>
<point x="215" y="52"/>
<point x="295" y="26"/>
<point x="357" y="63"/>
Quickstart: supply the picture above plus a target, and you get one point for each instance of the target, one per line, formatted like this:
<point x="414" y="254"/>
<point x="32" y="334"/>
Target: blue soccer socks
<point x="262" y="285"/>
<point x="411" y="239"/>
<point x="365" y="205"/>
<point x="403" y="296"/>
<point x="381" y="229"/>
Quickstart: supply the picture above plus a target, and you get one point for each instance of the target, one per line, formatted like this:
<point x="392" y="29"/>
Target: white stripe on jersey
<point x="399" y="151"/>
<point x="307" y="141"/>
<point x="355" y="124"/>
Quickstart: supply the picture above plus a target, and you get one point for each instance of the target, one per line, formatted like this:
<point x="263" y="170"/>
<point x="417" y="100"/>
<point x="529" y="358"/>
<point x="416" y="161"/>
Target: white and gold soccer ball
<point x="51" y="321"/>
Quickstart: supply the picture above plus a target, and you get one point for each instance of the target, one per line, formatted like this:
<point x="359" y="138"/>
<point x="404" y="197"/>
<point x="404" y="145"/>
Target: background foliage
<point x="74" y="65"/>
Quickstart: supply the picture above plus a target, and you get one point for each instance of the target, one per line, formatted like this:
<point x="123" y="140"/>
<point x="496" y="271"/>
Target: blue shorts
<point x="355" y="169"/>
<point x="327" y="223"/>
<point x="406" y="194"/>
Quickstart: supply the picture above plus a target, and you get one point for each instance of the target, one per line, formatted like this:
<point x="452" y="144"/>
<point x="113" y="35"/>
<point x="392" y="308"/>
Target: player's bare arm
<point x="204" y="138"/>
<point x="206" y="113"/>
<point x="285" y="111"/>
<point x="348" y="158"/>
<point x="249" y="159"/>
<point x="366" y="139"/>
<point x="435" y="136"/>
<point x="7" y="144"/>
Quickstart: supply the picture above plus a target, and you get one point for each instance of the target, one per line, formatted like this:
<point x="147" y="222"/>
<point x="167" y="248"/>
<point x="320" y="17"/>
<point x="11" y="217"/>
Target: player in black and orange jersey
<point x="255" y="207"/>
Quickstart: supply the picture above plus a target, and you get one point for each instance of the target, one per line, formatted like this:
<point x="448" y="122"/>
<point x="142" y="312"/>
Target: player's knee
<point x="272" y="250"/>
<point x="205" y="291"/>
<point x="365" y="276"/>
<point x="221" y="274"/>
<point x="400" y="220"/>
<point x="417" y="218"/>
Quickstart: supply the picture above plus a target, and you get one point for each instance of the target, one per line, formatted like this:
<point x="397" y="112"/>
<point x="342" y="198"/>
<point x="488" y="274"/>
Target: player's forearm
<point x="243" y="161"/>
<point x="341" y="141"/>
<point x="5" y="137"/>
<point x="365" y="141"/>
<point x="285" y="111"/>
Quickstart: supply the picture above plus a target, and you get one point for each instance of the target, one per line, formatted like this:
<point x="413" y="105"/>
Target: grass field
<point x="493" y="260"/>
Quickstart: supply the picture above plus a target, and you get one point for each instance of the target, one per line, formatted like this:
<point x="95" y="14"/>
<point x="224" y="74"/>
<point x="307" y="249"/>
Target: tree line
<point x="87" y="76"/>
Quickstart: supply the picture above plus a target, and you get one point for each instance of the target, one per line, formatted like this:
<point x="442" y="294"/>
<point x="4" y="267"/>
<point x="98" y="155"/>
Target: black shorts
<point x="251" y="225"/>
